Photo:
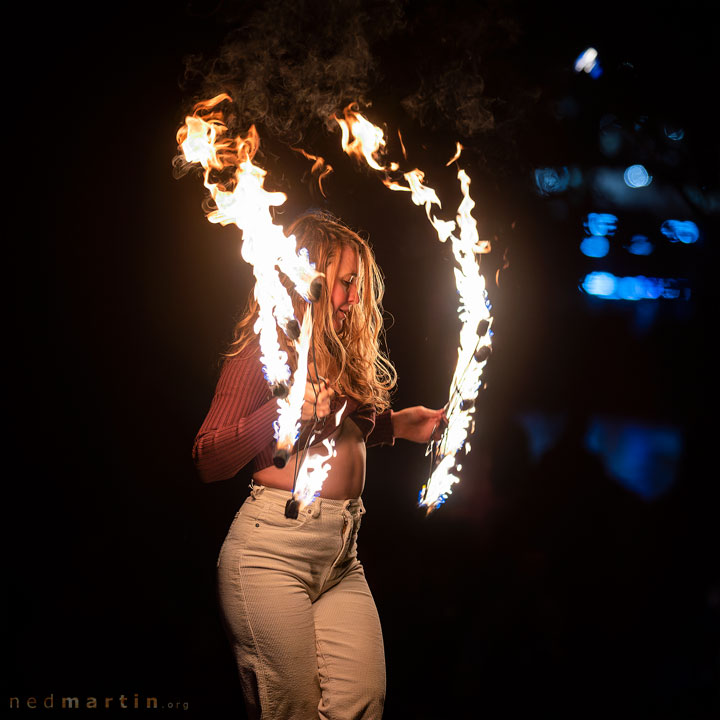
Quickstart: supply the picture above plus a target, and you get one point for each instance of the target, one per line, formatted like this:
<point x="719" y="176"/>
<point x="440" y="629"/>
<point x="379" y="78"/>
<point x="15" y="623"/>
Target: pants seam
<point x="324" y="692"/>
<point x="259" y="670"/>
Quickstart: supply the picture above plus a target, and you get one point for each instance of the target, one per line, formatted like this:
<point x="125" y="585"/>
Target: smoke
<point x="291" y="65"/>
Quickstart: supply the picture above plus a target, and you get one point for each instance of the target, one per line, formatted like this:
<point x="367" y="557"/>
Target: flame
<point x="313" y="472"/>
<point x="290" y="408"/>
<point x="363" y="140"/>
<point x="319" y="168"/>
<point x="368" y="139"/>
<point x="459" y="148"/>
<point x="402" y="145"/>
<point x="242" y="200"/>
<point x="473" y="309"/>
<point x="315" y="467"/>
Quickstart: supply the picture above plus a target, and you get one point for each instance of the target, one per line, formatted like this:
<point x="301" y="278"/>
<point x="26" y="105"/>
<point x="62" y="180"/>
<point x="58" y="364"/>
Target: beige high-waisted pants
<point x="298" y="611"/>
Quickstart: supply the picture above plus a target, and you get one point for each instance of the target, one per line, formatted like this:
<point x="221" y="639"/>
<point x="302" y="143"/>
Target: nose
<point x="353" y="298"/>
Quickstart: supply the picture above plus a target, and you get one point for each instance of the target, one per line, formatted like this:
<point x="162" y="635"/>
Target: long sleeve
<point x="239" y="424"/>
<point x="382" y="432"/>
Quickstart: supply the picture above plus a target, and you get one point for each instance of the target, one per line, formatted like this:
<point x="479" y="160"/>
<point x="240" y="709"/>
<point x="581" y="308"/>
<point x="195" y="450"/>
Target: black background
<point x="539" y="586"/>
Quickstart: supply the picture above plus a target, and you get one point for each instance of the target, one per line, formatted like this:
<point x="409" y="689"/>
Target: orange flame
<point x="319" y="168"/>
<point x="458" y="150"/>
<point x="402" y="145"/>
<point x="363" y="140"/>
<point x="368" y="139"/>
<point x="244" y="201"/>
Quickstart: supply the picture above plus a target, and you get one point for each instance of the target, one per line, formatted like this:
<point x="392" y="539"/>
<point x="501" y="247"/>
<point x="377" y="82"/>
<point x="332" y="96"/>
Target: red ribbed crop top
<point x="238" y="428"/>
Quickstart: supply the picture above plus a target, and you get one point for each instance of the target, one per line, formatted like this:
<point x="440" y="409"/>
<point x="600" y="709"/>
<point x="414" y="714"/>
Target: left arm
<point x="418" y="423"/>
<point x="413" y="423"/>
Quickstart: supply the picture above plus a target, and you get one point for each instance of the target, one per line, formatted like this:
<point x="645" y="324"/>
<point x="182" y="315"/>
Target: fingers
<point x="441" y="422"/>
<point x="317" y="400"/>
<point x="438" y="416"/>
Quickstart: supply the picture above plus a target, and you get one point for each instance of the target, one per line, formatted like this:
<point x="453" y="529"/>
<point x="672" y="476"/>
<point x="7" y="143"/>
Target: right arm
<point x="239" y="424"/>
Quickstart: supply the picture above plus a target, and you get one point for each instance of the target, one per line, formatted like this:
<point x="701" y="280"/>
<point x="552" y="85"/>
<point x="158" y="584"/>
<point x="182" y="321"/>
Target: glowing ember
<point x="363" y="140"/>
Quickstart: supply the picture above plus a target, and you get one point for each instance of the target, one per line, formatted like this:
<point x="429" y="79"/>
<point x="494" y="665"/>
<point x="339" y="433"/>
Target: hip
<point x="317" y="547"/>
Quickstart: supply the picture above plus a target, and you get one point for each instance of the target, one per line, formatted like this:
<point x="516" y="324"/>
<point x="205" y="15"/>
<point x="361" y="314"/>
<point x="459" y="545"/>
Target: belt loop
<point x="315" y="507"/>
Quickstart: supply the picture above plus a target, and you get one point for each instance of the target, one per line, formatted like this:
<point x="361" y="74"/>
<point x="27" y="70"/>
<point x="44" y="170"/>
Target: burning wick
<point x="244" y="202"/>
<point x="365" y="141"/>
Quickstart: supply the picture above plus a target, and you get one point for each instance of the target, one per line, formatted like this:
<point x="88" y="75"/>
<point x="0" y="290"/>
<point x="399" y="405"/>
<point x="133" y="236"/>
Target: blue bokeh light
<point x="640" y="245"/>
<point x="550" y="181"/>
<point x="602" y="224"/>
<point x="606" y="286"/>
<point x="684" y="231"/>
<point x="674" y="133"/>
<point x="543" y="431"/>
<point x="640" y="456"/>
<point x="601" y="284"/>
<point x="595" y="246"/>
<point x="610" y="140"/>
<point x="636" y="176"/>
<point x="587" y="62"/>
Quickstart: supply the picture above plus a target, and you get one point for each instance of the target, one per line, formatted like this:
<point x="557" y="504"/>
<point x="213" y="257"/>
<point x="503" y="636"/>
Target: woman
<point x="295" y="602"/>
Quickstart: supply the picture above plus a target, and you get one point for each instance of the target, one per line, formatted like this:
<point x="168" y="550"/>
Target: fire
<point x="363" y="140"/>
<point x="236" y="186"/>
<point x="314" y="468"/>
<point x="473" y="352"/>
<point x="458" y="149"/>
<point x="290" y="408"/>
<point x="313" y="473"/>
<point x="368" y="139"/>
<point x="320" y="168"/>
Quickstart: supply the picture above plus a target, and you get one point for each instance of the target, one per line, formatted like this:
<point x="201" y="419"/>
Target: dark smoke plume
<point x="290" y="65"/>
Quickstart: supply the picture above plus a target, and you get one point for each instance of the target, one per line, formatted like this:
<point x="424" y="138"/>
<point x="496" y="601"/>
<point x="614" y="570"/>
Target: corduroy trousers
<point x="299" y="613"/>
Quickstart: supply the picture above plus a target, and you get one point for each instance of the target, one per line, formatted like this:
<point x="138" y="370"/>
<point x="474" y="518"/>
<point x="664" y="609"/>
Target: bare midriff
<point x="346" y="478"/>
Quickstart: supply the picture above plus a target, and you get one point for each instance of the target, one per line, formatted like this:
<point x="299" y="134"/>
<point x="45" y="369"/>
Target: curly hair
<point x="351" y="358"/>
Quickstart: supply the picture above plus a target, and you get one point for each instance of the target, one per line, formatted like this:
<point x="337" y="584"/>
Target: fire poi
<point x="243" y="201"/>
<point x="364" y="141"/>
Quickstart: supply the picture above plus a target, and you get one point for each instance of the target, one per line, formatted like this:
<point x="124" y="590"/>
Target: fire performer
<point x="294" y="599"/>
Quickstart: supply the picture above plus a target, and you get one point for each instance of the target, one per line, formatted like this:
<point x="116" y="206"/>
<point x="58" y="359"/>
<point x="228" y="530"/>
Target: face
<point x="344" y="293"/>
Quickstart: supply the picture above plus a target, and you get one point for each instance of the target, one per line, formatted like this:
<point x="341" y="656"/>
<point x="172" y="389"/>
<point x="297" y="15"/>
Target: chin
<point x="338" y="323"/>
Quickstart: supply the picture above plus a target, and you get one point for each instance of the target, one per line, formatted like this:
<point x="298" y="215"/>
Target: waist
<point x="345" y="459"/>
<point x="276" y="496"/>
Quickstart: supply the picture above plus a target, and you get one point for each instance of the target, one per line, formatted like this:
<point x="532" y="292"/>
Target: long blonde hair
<point x="350" y="359"/>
